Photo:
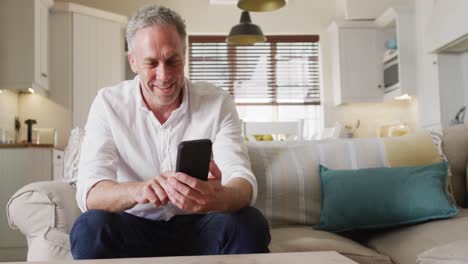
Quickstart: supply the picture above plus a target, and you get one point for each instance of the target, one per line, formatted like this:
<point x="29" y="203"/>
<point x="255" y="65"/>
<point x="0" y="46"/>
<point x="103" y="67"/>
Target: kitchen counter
<point x="26" y="145"/>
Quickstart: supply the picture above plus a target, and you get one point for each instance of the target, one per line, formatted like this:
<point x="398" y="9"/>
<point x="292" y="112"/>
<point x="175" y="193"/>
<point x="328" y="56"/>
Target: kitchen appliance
<point x="17" y="129"/>
<point x="30" y="123"/>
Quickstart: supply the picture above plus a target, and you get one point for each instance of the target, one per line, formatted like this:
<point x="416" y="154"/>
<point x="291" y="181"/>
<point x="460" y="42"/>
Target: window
<point x="283" y="70"/>
<point x="278" y="78"/>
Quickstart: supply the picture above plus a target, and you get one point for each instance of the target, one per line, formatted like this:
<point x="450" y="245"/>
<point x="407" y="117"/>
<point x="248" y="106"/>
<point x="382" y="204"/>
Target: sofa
<point x="289" y="195"/>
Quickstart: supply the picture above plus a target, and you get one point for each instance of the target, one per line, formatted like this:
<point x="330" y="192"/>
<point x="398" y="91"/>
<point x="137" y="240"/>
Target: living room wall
<point x="47" y="113"/>
<point x="8" y="109"/>
<point x="34" y="106"/>
<point x="297" y="17"/>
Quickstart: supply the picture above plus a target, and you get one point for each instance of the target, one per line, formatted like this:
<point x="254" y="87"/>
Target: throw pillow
<point x="437" y="136"/>
<point x="418" y="149"/>
<point x="383" y="197"/>
<point x="71" y="157"/>
<point x="288" y="181"/>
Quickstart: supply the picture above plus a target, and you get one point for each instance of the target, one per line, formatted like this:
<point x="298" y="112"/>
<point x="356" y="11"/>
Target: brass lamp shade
<point x="245" y="33"/>
<point x="260" y="5"/>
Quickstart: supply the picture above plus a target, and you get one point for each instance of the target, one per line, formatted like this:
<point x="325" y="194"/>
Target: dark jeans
<point x="100" y="234"/>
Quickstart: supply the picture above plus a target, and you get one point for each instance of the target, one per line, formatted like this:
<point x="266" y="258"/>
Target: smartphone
<point x="193" y="158"/>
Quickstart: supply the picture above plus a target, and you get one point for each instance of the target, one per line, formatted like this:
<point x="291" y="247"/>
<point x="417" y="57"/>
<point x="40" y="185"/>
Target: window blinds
<point x="282" y="71"/>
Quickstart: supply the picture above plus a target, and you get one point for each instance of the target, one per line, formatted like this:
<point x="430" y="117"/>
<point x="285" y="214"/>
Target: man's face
<point x="158" y="58"/>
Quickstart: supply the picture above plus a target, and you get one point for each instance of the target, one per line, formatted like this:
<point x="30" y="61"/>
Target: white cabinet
<point x="24" y="49"/>
<point x="89" y="54"/>
<point x="57" y="164"/>
<point x="19" y="166"/>
<point x="428" y="73"/>
<point x="365" y="9"/>
<point x="398" y="23"/>
<point x="356" y="65"/>
<point x="442" y="39"/>
<point x="447" y="30"/>
<point x="42" y="34"/>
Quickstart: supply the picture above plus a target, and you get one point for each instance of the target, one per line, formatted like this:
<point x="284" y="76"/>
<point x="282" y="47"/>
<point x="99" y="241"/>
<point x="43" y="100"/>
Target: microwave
<point x="390" y="74"/>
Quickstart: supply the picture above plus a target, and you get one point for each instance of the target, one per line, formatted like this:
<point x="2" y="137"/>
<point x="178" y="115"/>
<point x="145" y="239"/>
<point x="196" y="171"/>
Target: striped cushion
<point x="288" y="181"/>
<point x="287" y="172"/>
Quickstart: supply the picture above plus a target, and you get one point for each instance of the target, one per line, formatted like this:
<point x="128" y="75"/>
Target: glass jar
<point x="6" y="136"/>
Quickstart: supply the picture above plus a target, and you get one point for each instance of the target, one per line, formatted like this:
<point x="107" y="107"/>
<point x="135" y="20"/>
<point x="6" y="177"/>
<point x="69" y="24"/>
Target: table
<point x="317" y="257"/>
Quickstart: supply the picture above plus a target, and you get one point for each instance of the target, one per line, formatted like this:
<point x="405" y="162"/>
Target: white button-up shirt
<point x="124" y="142"/>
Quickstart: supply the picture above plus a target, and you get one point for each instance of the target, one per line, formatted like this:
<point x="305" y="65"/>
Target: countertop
<point x="29" y="145"/>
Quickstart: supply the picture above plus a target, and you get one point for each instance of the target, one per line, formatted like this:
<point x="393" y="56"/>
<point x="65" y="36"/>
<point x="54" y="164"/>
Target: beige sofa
<point x="44" y="211"/>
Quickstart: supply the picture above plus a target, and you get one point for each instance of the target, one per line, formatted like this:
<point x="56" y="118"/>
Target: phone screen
<point x="193" y="158"/>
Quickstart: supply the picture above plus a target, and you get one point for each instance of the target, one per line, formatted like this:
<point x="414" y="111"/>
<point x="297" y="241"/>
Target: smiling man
<point x="134" y="204"/>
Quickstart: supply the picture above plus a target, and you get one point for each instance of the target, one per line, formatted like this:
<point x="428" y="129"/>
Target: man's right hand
<point x="152" y="191"/>
<point x="118" y="197"/>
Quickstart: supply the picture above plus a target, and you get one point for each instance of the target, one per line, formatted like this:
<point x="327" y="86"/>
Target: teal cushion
<point x="383" y="197"/>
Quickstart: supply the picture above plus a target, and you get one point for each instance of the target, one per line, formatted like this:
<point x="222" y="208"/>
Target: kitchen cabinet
<point x="356" y="65"/>
<point x="89" y="54"/>
<point x="429" y="96"/>
<point x="446" y="30"/>
<point x="57" y="164"/>
<point x="24" y="49"/>
<point x="19" y="166"/>
<point x="443" y="60"/>
<point x="365" y="9"/>
<point x="398" y="23"/>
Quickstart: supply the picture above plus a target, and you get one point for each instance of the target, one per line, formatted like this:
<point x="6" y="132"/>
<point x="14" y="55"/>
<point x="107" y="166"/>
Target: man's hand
<point x="194" y="195"/>
<point x="152" y="191"/>
<point x="117" y="197"/>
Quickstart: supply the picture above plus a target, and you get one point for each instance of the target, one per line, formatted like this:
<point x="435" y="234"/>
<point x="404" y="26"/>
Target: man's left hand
<point x="194" y="195"/>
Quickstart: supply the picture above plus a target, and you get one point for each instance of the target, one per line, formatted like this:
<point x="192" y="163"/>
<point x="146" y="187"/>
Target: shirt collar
<point x="140" y="103"/>
<point x="185" y="98"/>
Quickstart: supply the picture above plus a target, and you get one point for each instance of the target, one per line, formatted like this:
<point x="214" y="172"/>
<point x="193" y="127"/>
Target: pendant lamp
<point x="260" y="5"/>
<point x="245" y="33"/>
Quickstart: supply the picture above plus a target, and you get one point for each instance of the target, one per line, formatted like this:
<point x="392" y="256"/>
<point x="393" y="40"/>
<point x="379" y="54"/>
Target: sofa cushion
<point x="304" y="238"/>
<point x="71" y="156"/>
<point x="287" y="171"/>
<point x="452" y="253"/>
<point x="287" y="174"/>
<point x="288" y="181"/>
<point x="383" y="197"/>
<point x="455" y="147"/>
<point x="417" y="149"/>
<point x="403" y="244"/>
<point x="411" y="150"/>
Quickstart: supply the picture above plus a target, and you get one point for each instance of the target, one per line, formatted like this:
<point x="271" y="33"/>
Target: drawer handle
<point x="59" y="157"/>
<point x="44" y="75"/>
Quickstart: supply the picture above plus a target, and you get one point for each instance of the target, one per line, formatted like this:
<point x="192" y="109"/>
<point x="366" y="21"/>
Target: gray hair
<point x="154" y="15"/>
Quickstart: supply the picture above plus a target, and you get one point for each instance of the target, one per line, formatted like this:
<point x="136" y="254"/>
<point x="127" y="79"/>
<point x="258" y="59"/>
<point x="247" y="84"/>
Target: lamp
<point x="260" y="5"/>
<point x="245" y="33"/>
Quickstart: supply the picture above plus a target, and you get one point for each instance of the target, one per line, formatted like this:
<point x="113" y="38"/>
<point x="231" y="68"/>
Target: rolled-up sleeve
<point x="229" y="150"/>
<point x="99" y="154"/>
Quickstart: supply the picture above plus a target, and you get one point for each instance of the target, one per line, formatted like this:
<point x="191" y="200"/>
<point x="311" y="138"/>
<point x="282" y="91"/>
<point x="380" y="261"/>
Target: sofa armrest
<point x="40" y="206"/>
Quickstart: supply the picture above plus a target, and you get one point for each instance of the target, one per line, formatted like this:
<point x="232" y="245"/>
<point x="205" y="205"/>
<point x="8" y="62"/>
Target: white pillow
<point x="72" y="155"/>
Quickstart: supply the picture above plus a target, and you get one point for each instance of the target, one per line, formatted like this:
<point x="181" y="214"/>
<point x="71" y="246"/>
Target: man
<point x="134" y="204"/>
